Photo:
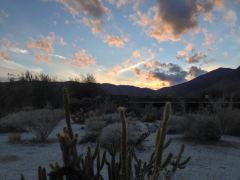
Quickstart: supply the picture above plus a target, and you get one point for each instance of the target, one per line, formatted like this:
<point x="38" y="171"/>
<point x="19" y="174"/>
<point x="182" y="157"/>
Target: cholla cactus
<point x="90" y="166"/>
<point x="124" y="144"/>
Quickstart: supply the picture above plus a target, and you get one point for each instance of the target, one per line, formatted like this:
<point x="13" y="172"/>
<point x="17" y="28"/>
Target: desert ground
<point x="218" y="161"/>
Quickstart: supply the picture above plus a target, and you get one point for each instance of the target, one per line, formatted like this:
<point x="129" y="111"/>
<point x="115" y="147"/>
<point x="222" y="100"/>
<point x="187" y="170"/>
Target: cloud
<point x="137" y="71"/>
<point x="4" y="55"/>
<point x="89" y="12"/>
<point x="58" y="56"/>
<point x="179" y="15"/>
<point x="39" y="57"/>
<point x="43" y="46"/>
<point x="3" y="15"/>
<point x="174" y="74"/>
<point x="115" y="41"/>
<point x="19" y="50"/>
<point x="196" y="71"/>
<point x="94" y="24"/>
<point x="93" y="8"/>
<point x="230" y="17"/>
<point x="209" y="39"/>
<point x="82" y="58"/>
<point x="15" y="69"/>
<point x="190" y="55"/>
<point x="43" y="43"/>
<point x="171" y="19"/>
<point x="61" y="41"/>
<point x="196" y="57"/>
<point x="119" y="3"/>
<point x="171" y="73"/>
<point x="136" y="54"/>
<point x="136" y="59"/>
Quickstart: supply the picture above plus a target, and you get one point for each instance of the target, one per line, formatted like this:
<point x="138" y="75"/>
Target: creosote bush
<point x="202" y="127"/>
<point x="14" y="138"/>
<point x="124" y="165"/>
<point x="43" y="122"/>
<point x="15" y="122"/>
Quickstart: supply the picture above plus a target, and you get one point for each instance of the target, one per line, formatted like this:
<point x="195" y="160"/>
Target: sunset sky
<point x="145" y="43"/>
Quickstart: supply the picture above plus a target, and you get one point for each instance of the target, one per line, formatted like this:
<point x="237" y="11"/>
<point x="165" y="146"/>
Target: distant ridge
<point x="224" y="80"/>
<point x="127" y="90"/>
<point x="221" y="80"/>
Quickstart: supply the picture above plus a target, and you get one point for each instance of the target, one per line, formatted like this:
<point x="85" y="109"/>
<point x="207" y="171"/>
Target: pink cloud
<point x="82" y="58"/>
<point x="94" y="24"/>
<point x="209" y="39"/>
<point x="43" y="46"/>
<point x="4" y="55"/>
<point x="94" y="8"/>
<point x="136" y="53"/>
<point x="39" y="57"/>
<point x="115" y="41"/>
<point x="43" y="43"/>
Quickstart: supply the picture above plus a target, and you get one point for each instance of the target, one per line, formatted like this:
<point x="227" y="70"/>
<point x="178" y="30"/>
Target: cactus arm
<point x="124" y="156"/>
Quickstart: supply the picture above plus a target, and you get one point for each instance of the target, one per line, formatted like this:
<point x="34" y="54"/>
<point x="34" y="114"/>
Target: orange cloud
<point x="137" y="71"/>
<point x="94" y="24"/>
<point x="136" y="53"/>
<point x="164" y="23"/>
<point x="4" y="55"/>
<point x="209" y="39"/>
<point x="82" y="58"/>
<point x="116" y="41"/>
<point x="42" y="58"/>
<point x="43" y="43"/>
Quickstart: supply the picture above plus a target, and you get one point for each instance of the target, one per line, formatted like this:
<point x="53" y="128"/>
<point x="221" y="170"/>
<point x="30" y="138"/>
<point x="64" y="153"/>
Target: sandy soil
<point x="220" y="161"/>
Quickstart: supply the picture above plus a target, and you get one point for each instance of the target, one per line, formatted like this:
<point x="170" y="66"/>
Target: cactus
<point x="124" y="146"/>
<point x="156" y="167"/>
<point x="123" y="166"/>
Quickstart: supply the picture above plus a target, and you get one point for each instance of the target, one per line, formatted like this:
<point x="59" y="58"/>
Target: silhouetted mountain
<point x="126" y="90"/>
<point x="38" y="94"/>
<point x="216" y="82"/>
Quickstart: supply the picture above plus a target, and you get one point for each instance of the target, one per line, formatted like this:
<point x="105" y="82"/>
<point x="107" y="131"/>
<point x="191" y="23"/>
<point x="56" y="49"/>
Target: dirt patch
<point x="222" y="143"/>
<point x="4" y="159"/>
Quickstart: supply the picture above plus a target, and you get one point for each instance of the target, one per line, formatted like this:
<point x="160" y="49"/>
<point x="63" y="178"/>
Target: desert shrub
<point x="107" y="106"/>
<point x="95" y="124"/>
<point x="15" y="122"/>
<point x="111" y="134"/>
<point x="4" y="159"/>
<point x="43" y="122"/>
<point x="202" y="127"/>
<point x="14" y="138"/>
<point x="228" y="116"/>
<point x="230" y="121"/>
<point x="151" y="114"/>
<point x="176" y="124"/>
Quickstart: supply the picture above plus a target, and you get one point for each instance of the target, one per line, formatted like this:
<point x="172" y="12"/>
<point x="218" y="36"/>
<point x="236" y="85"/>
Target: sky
<point x="144" y="43"/>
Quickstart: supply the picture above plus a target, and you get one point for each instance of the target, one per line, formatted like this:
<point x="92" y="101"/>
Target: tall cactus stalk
<point x="67" y="112"/>
<point x="124" y="145"/>
<point x="160" y="139"/>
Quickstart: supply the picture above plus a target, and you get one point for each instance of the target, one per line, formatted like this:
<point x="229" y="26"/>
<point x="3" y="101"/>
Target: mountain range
<point x="221" y="80"/>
